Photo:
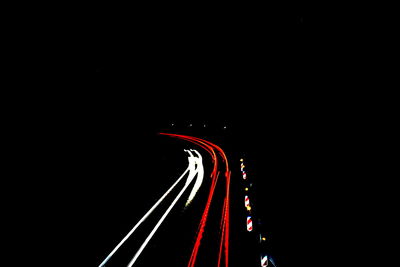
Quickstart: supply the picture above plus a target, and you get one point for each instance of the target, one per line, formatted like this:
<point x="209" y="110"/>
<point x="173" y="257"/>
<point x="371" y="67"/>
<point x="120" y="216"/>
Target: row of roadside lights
<point x="191" y="124"/>
<point x="246" y="199"/>
<point x="264" y="258"/>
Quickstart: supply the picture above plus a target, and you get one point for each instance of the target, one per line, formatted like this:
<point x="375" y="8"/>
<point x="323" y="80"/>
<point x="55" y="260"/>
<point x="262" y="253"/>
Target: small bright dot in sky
<point x="190" y="125"/>
<point x="224" y="127"/>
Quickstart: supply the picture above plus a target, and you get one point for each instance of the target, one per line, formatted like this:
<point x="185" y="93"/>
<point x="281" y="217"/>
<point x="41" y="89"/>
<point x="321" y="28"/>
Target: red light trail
<point x="210" y="148"/>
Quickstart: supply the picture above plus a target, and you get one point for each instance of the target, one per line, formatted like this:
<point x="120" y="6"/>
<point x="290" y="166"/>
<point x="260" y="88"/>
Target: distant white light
<point x="190" y="125"/>
<point x="224" y="127"/>
<point x="172" y="124"/>
<point x="204" y="125"/>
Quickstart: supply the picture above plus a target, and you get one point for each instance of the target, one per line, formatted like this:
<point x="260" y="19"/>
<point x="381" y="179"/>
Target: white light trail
<point x="199" y="180"/>
<point x="190" y="178"/>
<point x="190" y="167"/>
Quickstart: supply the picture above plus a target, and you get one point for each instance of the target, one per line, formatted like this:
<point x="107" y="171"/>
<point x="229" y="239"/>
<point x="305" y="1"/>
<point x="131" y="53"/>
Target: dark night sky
<point x="158" y="39"/>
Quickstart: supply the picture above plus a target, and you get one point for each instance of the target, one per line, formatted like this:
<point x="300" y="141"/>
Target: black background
<point x="159" y="40"/>
<point x="260" y="70"/>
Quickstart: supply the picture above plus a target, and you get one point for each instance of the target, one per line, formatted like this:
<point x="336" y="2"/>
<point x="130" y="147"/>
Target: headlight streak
<point x="190" y="179"/>
<point x="193" y="171"/>
<point x="210" y="148"/>
<point x="199" y="179"/>
<point x="222" y="228"/>
<point x="143" y="218"/>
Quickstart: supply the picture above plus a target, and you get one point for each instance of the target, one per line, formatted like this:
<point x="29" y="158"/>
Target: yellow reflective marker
<point x="247" y="189"/>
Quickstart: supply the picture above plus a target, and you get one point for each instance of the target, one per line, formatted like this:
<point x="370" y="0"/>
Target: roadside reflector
<point x="264" y="261"/>
<point x="249" y="224"/>
<point x="247" y="202"/>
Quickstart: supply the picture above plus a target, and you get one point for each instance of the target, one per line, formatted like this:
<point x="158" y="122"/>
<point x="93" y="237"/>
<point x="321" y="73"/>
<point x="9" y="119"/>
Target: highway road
<point x="194" y="171"/>
<point x="99" y="182"/>
<point x="197" y="234"/>
<point x="195" y="167"/>
<point x="109" y="178"/>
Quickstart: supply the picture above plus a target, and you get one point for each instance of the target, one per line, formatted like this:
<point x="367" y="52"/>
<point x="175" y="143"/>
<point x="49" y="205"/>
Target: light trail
<point x="199" y="179"/>
<point x="226" y="208"/>
<point x="222" y="228"/>
<point x="188" y="181"/>
<point x="210" y="148"/>
<point x="202" y="224"/>
<point x="214" y="177"/>
<point x="226" y="222"/>
<point x="191" y="168"/>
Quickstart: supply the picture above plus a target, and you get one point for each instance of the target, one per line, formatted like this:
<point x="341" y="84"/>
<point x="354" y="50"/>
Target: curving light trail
<point x="192" y="174"/>
<point x="192" y="169"/>
<point x="210" y="148"/>
<point x="199" y="179"/>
